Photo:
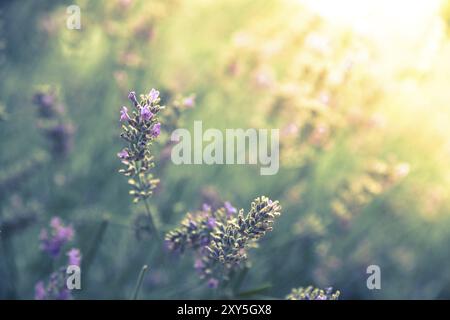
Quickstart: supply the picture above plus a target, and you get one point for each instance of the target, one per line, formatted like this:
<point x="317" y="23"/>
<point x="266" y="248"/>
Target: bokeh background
<point x="358" y="89"/>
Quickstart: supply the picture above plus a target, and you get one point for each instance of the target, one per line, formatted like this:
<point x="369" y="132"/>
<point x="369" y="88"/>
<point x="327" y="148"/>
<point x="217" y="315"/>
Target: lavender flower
<point x="124" y="114"/>
<point x="189" y="102"/>
<point x="199" y="265"/>
<point x="45" y="101"/>
<point x="133" y="99"/>
<point x="123" y="154"/>
<point x="213" y="283"/>
<point x="153" y="95"/>
<point x="56" y="289"/>
<point x="212" y="222"/>
<point x="141" y="129"/>
<point x="230" y="209"/>
<point x="59" y="235"/>
<point x="40" y="292"/>
<point x="311" y="293"/>
<point x="195" y="230"/>
<point x="221" y="240"/>
<point x="54" y="123"/>
<point x="156" y="130"/>
<point x="74" y="257"/>
<point x="146" y="113"/>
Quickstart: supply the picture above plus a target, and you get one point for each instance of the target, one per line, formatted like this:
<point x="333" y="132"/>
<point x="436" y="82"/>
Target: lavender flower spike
<point x="311" y="293"/>
<point x="139" y="132"/>
<point x="53" y="241"/>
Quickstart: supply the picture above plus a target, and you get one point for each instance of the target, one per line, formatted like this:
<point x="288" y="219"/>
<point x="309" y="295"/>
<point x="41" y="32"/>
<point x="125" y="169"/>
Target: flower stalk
<point x="140" y="127"/>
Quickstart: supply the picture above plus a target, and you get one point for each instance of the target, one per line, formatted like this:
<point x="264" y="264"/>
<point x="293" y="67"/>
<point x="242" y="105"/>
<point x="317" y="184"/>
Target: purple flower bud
<point x="156" y="130"/>
<point x="213" y="283"/>
<point x="123" y="154"/>
<point x="230" y="209"/>
<point x="146" y="114"/>
<point x="124" y="114"/>
<point x="206" y="207"/>
<point x="74" y="257"/>
<point x="132" y="97"/>
<point x="198" y="264"/>
<point x="154" y="94"/>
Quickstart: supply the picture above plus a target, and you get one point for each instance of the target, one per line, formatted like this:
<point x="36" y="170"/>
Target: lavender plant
<point x="56" y="286"/>
<point x="52" y="242"/>
<point x="54" y="289"/>
<point x="221" y="238"/>
<point x="52" y="119"/>
<point x="311" y="293"/>
<point x="54" y="239"/>
<point x="140" y="127"/>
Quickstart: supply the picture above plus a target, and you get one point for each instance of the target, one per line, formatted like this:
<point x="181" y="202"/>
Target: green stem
<point x="139" y="282"/>
<point x="95" y="244"/>
<point x="255" y="291"/>
<point x="152" y="221"/>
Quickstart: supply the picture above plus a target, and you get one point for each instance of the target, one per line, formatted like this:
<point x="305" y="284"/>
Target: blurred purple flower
<point x="59" y="235"/>
<point x="206" y="207"/>
<point x="39" y="291"/>
<point x="56" y="288"/>
<point x="74" y="257"/>
<point x="154" y="94"/>
<point x="213" y="283"/>
<point x="198" y="264"/>
<point x="124" y="114"/>
<point x="146" y="114"/>
<point x="230" y="209"/>
<point x="189" y="102"/>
